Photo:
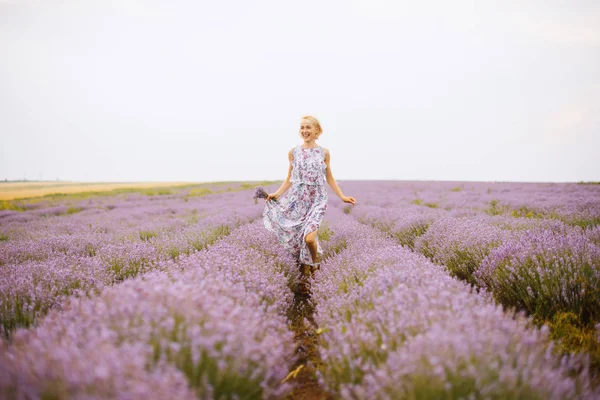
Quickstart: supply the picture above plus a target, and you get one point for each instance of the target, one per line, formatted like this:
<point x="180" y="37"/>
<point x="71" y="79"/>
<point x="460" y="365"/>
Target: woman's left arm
<point x="331" y="180"/>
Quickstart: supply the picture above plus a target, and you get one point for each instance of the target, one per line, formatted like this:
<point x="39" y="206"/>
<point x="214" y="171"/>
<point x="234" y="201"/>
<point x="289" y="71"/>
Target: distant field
<point x="19" y="190"/>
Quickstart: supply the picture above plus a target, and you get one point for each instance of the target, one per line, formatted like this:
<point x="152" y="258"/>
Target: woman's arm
<point x="286" y="183"/>
<point x="331" y="180"/>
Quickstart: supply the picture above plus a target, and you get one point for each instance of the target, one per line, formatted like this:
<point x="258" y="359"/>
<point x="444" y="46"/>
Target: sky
<point x="132" y="90"/>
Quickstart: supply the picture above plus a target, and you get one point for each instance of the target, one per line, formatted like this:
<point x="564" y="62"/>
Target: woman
<point x="296" y="219"/>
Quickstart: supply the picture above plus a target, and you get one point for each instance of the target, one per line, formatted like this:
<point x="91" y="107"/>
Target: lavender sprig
<point x="260" y="193"/>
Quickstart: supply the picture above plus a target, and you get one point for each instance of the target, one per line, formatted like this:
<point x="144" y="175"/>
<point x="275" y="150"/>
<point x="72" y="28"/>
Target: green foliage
<point x="73" y="210"/>
<point x="22" y="311"/>
<point x="456" y="189"/>
<point x="217" y="233"/>
<point x="193" y="219"/>
<point x="336" y="247"/>
<point x="200" y="192"/>
<point x="324" y="233"/>
<point x="359" y="277"/>
<point x="125" y="270"/>
<point x="431" y="205"/>
<point x="496" y="208"/>
<point x="222" y="373"/>
<point x="17" y="314"/>
<point x="573" y="336"/>
<point x="526" y="212"/>
<point x="10" y="205"/>
<point x="537" y="284"/>
<point x="407" y="237"/>
<point x="209" y="237"/>
<point x="347" y="209"/>
<point x="342" y="372"/>
<point x="3" y="238"/>
<point x="457" y="384"/>
<point x="464" y="263"/>
<point x="54" y="389"/>
<point x="90" y="250"/>
<point x="583" y="222"/>
<point x="117" y="266"/>
<point x="417" y="202"/>
<point x="252" y="185"/>
<point x="173" y="252"/>
<point x="147" y="235"/>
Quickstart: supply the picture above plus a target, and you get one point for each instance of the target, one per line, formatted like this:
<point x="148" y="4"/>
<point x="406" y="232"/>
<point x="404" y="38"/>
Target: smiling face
<point x="308" y="131"/>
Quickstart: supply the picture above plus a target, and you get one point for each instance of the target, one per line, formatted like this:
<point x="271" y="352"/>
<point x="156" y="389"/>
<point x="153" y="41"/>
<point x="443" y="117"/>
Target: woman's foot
<point x="304" y="287"/>
<point x="305" y="270"/>
<point x="317" y="263"/>
<point x="304" y="281"/>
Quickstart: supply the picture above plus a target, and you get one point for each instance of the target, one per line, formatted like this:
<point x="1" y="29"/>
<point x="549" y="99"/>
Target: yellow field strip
<point x="18" y="190"/>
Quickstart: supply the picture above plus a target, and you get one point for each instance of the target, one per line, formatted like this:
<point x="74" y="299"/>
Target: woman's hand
<point x="272" y="196"/>
<point x="347" y="199"/>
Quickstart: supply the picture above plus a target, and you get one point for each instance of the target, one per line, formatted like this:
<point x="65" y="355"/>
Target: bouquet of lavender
<point x="260" y="193"/>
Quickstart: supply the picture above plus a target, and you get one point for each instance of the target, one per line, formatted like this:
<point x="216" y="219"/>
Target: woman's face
<point x="308" y="131"/>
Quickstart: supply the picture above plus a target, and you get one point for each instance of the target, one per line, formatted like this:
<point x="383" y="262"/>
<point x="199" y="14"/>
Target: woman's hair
<point x="316" y="123"/>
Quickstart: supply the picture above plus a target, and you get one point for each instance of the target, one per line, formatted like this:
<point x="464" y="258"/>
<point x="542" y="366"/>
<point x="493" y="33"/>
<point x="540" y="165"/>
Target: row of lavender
<point x="46" y="259"/>
<point x="208" y="325"/>
<point x="540" y="265"/>
<point x="545" y="262"/>
<point x="394" y="325"/>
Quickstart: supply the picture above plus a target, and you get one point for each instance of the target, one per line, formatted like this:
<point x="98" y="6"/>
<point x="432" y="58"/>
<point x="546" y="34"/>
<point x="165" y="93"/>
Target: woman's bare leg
<point x="311" y="241"/>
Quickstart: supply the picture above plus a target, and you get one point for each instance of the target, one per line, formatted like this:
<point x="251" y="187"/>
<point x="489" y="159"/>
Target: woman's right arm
<point x="286" y="183"/>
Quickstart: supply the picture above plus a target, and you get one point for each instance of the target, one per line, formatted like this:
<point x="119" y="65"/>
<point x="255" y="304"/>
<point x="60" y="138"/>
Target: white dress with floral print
<point x="293" y="217"/>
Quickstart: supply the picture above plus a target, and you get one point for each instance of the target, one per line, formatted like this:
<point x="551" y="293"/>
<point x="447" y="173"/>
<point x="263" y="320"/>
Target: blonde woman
<point x="296" y="218"/>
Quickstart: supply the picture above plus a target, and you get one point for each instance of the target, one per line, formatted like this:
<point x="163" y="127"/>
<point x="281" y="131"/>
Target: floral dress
<point x="293" y="217"/>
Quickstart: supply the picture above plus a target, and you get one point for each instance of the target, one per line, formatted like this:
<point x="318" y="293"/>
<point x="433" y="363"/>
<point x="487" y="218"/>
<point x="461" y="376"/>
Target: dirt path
<point x="305" y="381"/>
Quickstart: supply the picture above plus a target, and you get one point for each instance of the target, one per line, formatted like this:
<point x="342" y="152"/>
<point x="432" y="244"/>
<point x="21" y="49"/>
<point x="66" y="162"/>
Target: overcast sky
<point x="128" y="90"/>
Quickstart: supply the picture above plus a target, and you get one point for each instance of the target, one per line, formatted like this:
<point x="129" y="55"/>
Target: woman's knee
<point x="311" y="238"/>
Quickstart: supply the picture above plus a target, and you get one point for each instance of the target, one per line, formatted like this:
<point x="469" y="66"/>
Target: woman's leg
<point x="311" y="241"/>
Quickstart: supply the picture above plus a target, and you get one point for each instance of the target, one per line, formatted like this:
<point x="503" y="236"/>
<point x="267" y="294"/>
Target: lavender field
<point x="453" y="290"/>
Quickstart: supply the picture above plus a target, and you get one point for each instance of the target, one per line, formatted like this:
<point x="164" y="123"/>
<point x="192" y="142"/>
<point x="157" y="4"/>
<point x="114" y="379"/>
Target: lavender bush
<point x="461" y="244"/>
<point x="47" y="260"/>
<point x="217" y="316"/>
<point x="545" y="272"/>
<point x="404" y="224"/>
<point x="396" y="326"/>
